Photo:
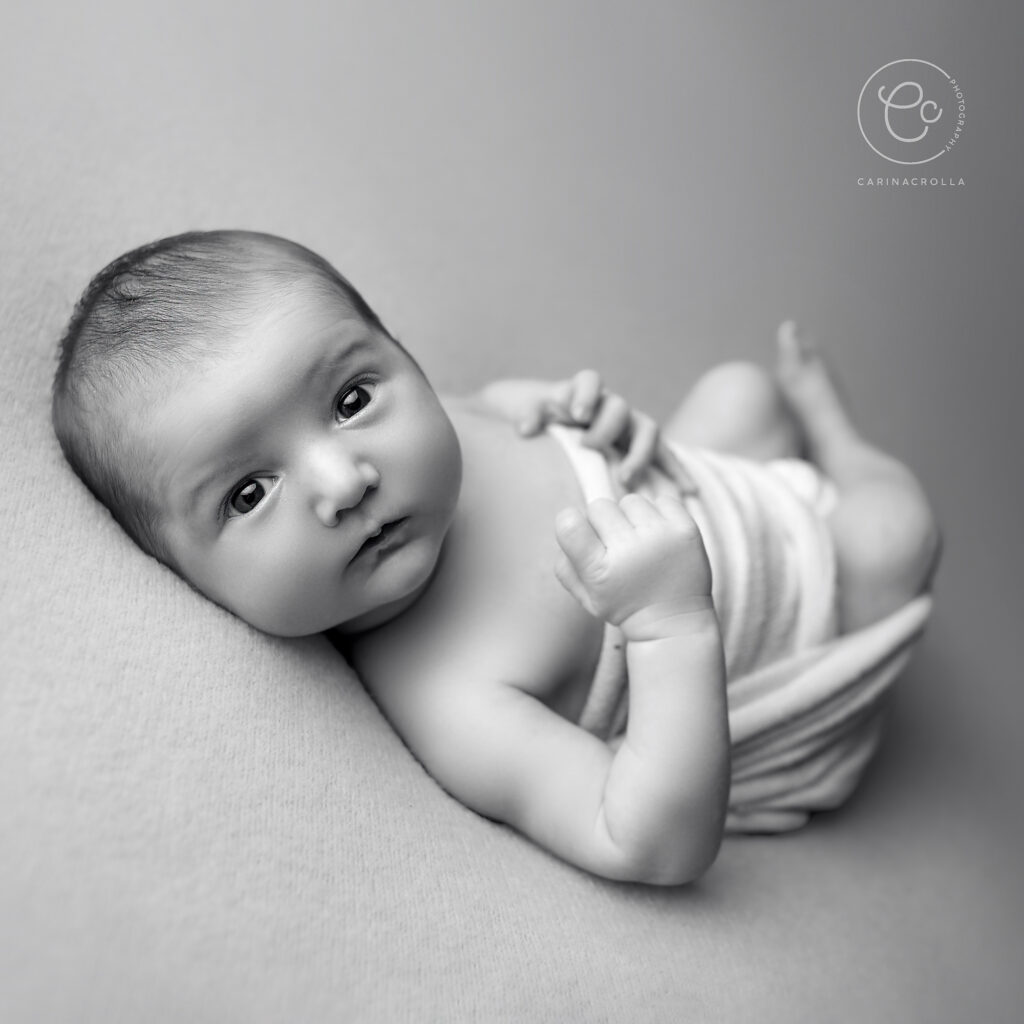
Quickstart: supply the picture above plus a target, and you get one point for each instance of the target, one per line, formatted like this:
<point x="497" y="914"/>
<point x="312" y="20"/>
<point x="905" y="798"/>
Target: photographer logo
<point x="911" y="111"/>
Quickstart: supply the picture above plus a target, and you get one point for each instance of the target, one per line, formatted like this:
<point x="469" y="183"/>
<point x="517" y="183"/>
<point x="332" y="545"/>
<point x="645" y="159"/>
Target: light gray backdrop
<point x="647" y="188"/>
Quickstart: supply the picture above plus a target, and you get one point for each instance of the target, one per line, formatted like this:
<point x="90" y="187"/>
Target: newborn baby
<point x="247" y="418"/>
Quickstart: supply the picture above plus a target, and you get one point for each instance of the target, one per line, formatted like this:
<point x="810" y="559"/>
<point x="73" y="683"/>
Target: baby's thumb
<point x="567" y="576"/>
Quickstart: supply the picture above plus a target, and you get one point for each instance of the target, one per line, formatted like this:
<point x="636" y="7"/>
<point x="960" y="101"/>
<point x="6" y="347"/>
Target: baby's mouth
<point x="381" y="539"/>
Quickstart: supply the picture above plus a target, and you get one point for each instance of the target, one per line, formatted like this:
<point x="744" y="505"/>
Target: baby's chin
<point x="380" y="615"/>
<point x="400" y="601"/>
<point x="398" y="596"/>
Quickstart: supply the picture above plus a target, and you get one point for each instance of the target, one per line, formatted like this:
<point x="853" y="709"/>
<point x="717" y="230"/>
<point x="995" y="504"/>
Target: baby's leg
<point x="736" y="408"/>
<point x="887" y="540"/>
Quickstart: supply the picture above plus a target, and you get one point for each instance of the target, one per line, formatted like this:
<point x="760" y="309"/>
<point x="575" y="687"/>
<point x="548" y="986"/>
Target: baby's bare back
<point x="495" y="610"/>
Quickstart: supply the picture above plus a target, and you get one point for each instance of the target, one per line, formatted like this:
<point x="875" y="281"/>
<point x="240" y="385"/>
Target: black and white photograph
<point x="511" y="512"/>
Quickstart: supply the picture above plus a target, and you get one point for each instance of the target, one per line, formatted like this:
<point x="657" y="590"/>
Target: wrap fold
<point x="805" y="703"/>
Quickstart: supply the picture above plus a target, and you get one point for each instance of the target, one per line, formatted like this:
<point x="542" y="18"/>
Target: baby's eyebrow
<point x="330" y="361"/>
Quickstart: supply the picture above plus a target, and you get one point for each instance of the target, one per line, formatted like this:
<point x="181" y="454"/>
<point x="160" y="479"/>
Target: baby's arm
<point x="653" y="810"/>
<point x="642" y="567"/>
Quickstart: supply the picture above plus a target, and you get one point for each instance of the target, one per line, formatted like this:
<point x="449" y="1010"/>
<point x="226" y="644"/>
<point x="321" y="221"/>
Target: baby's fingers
<point x="612" y="423"/>
<point x="675" y="511"/>
<point x="567" y="576"/>
<point x="640" y="512"/>
<point x="643" y="444"/>
<point x="610" y="522"/>
<point x="546" y="403"/>
<point x="585" y="393"/>
<point x="578" y="539"/>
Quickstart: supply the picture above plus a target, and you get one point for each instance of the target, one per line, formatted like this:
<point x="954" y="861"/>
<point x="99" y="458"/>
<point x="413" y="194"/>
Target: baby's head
<point x="245" y="416"/>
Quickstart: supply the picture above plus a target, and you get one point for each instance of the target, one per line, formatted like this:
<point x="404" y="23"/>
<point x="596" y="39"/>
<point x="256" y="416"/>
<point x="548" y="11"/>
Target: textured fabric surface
<point x="202" y="823"/>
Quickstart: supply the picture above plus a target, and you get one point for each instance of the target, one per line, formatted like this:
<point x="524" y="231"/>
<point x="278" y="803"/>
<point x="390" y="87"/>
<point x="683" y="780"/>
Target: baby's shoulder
<point x="423" y="666"/>
<point x="521" y="632"/>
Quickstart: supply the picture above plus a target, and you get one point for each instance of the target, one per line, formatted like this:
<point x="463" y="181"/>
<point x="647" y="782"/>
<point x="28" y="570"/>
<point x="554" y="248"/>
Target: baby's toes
<point x="805" y="379"/>
<point x="796" y="354"/>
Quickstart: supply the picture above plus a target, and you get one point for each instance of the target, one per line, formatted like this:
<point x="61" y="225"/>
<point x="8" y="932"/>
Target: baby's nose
<point x="340" y="483"/>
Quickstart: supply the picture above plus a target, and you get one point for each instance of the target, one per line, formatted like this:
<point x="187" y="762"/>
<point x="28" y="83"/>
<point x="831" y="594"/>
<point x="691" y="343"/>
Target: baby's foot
<point x="808" y="387"/>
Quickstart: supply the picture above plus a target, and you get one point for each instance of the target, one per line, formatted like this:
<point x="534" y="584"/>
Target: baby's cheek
<point x="438" y="458"/>
<point x="270" y="592"/>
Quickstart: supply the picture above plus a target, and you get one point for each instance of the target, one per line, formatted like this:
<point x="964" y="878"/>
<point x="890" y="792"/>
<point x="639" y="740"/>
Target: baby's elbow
<point x="692" y="865"/>
<point x="672" y="863"/>
<point x="688" y="852"/>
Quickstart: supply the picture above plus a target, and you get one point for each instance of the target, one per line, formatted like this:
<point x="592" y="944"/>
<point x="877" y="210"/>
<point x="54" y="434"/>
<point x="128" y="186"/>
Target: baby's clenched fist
<point x="637" y="564"/>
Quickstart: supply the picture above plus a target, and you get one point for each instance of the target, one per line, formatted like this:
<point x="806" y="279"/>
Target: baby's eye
<point x="354" y="400"/>
<point x="245" y="497"/>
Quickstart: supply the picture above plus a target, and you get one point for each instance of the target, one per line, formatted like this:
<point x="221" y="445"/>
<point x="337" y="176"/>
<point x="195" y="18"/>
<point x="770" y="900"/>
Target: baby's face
<point x="308" y="477"/>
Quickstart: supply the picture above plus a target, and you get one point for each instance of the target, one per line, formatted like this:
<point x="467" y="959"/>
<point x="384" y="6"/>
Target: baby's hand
<point x="639" y="565"/>
<point x="584" y="401"/>
<point x="610" y="421"/>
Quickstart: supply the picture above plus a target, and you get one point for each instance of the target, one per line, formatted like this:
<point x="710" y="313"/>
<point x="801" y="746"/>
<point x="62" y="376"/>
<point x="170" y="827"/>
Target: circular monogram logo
<point x="910" y="111"/>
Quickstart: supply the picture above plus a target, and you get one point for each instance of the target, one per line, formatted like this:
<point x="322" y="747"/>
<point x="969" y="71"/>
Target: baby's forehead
<point x="273" y="318"/>
<point x="276" y="344"/>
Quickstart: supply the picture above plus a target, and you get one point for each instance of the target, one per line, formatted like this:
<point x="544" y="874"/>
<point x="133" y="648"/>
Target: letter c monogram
<point x="890" y="103"/>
